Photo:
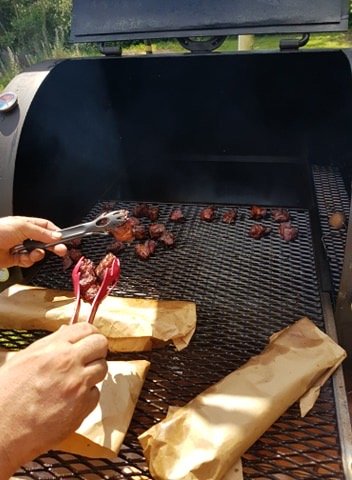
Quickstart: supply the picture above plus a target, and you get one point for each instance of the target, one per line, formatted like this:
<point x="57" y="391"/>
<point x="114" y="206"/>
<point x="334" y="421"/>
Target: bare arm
<point x="46" y="390"/>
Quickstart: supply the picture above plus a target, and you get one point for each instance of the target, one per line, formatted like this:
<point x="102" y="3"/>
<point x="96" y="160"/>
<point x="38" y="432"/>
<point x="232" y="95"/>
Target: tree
<point x="27" y="24"/>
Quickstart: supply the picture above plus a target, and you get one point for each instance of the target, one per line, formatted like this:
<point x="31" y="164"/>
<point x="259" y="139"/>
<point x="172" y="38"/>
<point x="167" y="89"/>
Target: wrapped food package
<point x="102" y="432"/>
<point x="205" y="439"/>
<point x="130" y="324"/>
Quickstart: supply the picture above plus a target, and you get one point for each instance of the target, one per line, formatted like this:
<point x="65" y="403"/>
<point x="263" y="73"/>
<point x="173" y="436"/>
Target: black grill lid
<point x="106" y="20"/>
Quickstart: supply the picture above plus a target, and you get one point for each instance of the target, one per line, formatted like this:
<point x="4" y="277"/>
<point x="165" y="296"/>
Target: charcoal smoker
<point x="190" y="130"/>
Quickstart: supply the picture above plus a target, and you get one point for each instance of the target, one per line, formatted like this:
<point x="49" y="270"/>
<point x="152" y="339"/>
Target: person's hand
<point x="14" y="230"/>
<point x="46" y="390"/>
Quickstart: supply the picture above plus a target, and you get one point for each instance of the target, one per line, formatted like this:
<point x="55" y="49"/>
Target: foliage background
<point x="34" y="30"/>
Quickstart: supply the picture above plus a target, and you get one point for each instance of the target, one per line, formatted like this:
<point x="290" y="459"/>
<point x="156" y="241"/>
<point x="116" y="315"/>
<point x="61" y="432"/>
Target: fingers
<point x="60" y="249"/>
<point x="92" y="348"/>
<point x="25" y="259"/>
<point x="34" y="231"/>
<point x="96" y="372"/>
<point x="76" y="332"/>
<point x="42" y="222"/>
<point x="91" y="401"/>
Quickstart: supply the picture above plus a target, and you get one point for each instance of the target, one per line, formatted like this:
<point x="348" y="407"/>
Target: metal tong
<point x="101" y="225"/>
<point x="111" y="276"/>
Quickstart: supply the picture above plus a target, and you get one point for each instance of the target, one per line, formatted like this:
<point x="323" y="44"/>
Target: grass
<point x="11" y="63"/>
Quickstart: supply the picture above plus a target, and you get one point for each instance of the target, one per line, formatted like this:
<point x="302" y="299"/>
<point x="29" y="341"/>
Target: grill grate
<point x="244" y="289"/>
<point x="332" y="196"/>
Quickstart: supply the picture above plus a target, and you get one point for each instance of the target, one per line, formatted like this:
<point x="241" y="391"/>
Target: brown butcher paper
<point x="130" y="324"/>
<point x="204" y="440"/>
<point x="102" y="432"/>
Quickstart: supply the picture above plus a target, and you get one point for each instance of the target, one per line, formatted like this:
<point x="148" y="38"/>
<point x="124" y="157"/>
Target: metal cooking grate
<point x="332" y="196"/>
<point x="245" y="290"/>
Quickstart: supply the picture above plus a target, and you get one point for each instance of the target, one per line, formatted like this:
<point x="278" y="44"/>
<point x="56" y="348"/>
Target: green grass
<point x="12" y="66"/>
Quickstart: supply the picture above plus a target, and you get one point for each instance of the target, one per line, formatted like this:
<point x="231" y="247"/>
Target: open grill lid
<point x="108" y="20"/>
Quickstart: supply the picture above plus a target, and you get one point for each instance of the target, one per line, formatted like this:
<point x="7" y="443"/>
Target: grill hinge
<point x="112" y="50"/>
<point x="195" y="45"/>
<point x="294" y="43"/>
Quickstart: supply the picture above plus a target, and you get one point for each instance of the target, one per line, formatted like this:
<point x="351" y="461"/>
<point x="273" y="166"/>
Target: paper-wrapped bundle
<point x="130" y="324"/>
<point x="204" y="439"/>
<point x="102" y="432"/>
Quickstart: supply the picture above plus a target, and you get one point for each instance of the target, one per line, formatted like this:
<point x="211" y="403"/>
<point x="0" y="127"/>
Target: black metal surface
<point x="103" y="20"/>
<point x="245" y="290"/>
<point x="332" y="197"/>
<point x="190" y="128"/>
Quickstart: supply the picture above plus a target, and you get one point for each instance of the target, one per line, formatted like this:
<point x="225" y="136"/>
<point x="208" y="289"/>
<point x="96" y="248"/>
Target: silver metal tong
<point x="101" y="225"/>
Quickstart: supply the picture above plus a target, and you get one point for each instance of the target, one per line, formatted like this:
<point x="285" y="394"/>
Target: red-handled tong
<point x="111" y="276"/>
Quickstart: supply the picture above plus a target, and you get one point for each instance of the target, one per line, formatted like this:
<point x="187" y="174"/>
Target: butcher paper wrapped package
<point x="204" y="440"/>
<point x="102" y="432"/>
<point x="130" y="324"/>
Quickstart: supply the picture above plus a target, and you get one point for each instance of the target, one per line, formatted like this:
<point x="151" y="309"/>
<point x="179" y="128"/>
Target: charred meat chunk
<point x="115" y="247"/>
<point x="208" y="213"/>
<point x="125" y="232"/>
<point x="66" y="262"/>
<point x="141" y="210"/>
<point x="107" y="206"/>
<point x="288" y="232"/>
<point x="230" y="216"/>
<point x="168" y="239"/>
<point x="88" y="277"/>
<point x="76" y="242"/>
<point x="156" y="230"/>
<point x="90" y="293"/>
<point x="337" y="220"/>
<point x="258" y="231"/>
<point x="139" y="232"/>
<point x="146" y="249"/>
<point x="153" y="214"/>
<point x="176" y="215"/>
<point x="258" y="213"/>
<point x="72" y="256"/>
<point x="280" y="215"/>
<point x="75" y="254"/>
<point x="105" y="263"/>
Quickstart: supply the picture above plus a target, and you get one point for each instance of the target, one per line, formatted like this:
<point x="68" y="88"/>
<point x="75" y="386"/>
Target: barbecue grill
<point x="190" y="130"/>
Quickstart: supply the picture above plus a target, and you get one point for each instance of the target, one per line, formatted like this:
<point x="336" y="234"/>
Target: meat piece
<point x="89" y="295"/>
<point x="168" y="239"/>
<point x="156" y="230"/>
<point x="288" y="232"/>
<point x="230" y="216"/>
<point x="139" y="232"/>
<point x="66" y="262"/>
<point x="76" y="242"/>
<point x="107" y="206"/>
<point x="337" y="220"/>
<point x="258" y="213"/>
<point x="144" y="250"/>
<point x="125" y="232"/>
<point x="103" y="265"/>
<point x="72" y="256"/>
<point x="75" y="254"/>
<point x="208" y="214"/>
<point x="115" y="247"/>
<point x="87" y="275"/>
<point x="258" y="231"/>
<point x="141" y="210"/>
<point x="280" y="215"/>
<point x="153" y="213"/>
<point x="176" y="215"/>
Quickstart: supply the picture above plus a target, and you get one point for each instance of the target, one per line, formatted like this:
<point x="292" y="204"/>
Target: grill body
<point x="191" y="130"/>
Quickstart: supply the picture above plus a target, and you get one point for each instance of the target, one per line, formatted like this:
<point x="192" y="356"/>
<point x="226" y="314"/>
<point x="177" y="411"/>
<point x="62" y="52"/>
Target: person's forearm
<point x="7" y="467"/>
